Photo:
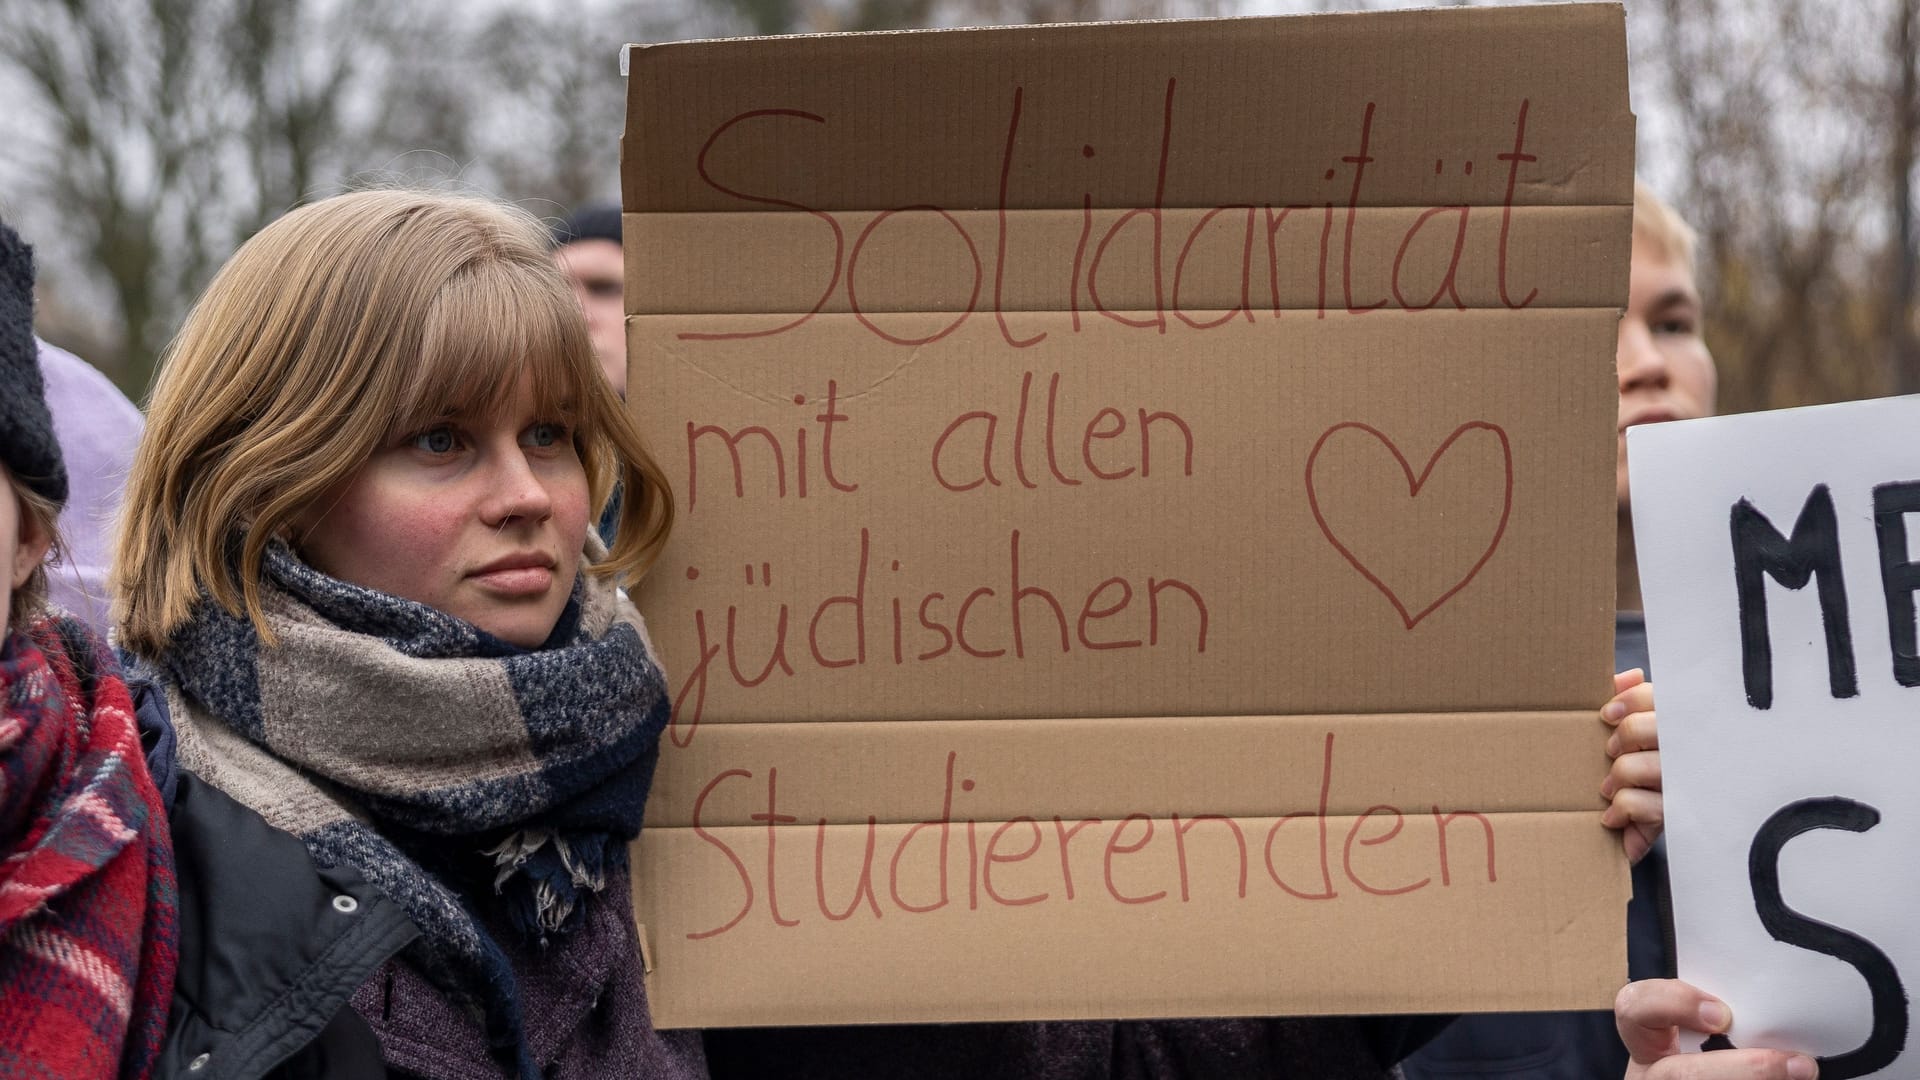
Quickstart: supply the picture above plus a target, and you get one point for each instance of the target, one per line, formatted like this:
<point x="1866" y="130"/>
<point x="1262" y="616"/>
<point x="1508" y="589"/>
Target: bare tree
<point x="1049" y="11"/>
<point x="794" y="16"/>
<point x="164" y="130"/>
<point x="552" y="102"/>
<point x="1776" y="148"/>
<point x="1902" y="159"/>
<point x="159" y="134"/>
<point x="767" y="16"/>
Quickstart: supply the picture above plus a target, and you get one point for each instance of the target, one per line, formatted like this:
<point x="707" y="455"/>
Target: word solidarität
<point x="1262" y="224"/>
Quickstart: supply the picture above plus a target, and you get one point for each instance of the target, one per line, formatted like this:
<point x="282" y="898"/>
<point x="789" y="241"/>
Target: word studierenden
<point x="1030" y="861"/>
<point x="1260" y="232"/>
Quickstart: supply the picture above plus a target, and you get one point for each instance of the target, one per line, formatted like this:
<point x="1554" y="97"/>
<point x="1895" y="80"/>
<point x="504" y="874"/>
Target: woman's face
<point x="482" y="518"/>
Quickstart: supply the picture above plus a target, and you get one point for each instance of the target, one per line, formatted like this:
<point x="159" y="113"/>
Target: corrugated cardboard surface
<point x="1096" y="446"/>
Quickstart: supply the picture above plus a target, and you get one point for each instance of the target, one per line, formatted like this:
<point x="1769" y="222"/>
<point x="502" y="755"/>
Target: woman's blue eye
<point x="438" y="440"/>
<point x="546" y="434"/>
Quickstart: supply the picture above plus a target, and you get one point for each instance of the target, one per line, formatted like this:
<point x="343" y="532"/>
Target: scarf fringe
<point x="543" y="876"/>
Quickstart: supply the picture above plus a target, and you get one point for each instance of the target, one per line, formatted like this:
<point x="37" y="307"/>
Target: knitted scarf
<point x="87" y="895"/>
<point x="456" y="771"/>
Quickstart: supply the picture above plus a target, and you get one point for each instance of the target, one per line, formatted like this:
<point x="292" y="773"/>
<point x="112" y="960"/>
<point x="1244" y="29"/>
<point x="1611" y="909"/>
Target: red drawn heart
<point x="1414" y="484"/>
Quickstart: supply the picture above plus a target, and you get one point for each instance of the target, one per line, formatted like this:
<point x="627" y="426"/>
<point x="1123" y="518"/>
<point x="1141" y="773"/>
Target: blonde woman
<point x="355" y="563"/>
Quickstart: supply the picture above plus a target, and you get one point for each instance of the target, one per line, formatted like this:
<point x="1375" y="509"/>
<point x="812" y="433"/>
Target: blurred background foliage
<point x="142" y="140"/>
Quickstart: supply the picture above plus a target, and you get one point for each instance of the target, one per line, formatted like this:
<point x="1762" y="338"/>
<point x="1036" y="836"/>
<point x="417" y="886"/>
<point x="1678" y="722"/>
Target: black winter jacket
<point x="271" y="946"/>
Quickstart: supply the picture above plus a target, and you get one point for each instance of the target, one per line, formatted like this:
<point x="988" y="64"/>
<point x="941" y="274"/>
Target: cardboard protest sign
<point x="1778" y="564"/>
<point x="1145" y="537"/>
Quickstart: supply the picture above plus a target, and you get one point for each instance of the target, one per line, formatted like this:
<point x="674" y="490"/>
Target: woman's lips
<point x="516" y="577"/>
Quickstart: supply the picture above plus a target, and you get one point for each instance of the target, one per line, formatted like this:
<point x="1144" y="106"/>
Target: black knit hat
<point x="591" y="221"/>
<point x="27" y="445"/>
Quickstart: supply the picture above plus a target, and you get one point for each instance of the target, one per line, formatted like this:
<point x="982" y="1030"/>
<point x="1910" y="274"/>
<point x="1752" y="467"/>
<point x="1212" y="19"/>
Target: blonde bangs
<point x="492" y="324"/>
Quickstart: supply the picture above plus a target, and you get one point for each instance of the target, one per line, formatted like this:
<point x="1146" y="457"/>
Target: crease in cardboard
<point x="682" y="352"/>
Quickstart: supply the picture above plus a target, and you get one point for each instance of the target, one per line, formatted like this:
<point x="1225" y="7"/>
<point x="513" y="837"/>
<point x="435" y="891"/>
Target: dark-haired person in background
<point x="586" y="247"/>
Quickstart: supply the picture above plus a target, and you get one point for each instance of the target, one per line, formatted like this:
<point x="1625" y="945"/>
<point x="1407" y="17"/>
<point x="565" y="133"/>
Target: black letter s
<point x="1889" y="1035"/>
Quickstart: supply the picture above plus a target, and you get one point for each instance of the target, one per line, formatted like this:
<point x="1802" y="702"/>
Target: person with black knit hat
<point x="86" y="861"/>
<point x="586" y="247"/>
<point x="27" y="444"/>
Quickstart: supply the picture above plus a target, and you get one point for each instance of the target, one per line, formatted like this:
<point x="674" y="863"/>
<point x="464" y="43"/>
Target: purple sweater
<point x="583" y="999"/>
<point x="585" y="1004"/>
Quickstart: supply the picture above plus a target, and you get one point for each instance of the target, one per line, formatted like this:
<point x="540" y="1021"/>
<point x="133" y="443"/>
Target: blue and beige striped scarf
<point x="449" y="767"/>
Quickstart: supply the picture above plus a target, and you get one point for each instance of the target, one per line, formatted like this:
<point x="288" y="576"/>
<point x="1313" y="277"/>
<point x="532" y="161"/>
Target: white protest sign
<point x="1779" y="563"/>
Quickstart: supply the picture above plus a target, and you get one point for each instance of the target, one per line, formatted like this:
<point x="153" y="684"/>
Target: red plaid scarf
<point x="87" y="894"/>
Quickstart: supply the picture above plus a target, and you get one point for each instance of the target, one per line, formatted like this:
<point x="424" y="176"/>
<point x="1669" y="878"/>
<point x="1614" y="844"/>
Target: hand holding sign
<point x="1632" y="786"/>
<point x="1651" y="1015"/>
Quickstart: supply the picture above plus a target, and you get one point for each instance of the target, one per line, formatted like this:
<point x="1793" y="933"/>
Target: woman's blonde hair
<point x="336" y="327"/>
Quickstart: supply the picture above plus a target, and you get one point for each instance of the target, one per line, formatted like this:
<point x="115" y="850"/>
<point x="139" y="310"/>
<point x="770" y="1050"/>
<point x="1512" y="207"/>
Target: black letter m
<point x="1813" y="552"/>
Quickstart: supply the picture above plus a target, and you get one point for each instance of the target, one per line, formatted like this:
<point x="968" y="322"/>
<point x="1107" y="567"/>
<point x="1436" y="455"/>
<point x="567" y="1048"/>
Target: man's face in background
<point x="596" y="269"/>
<point x="1665" y="370"/>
